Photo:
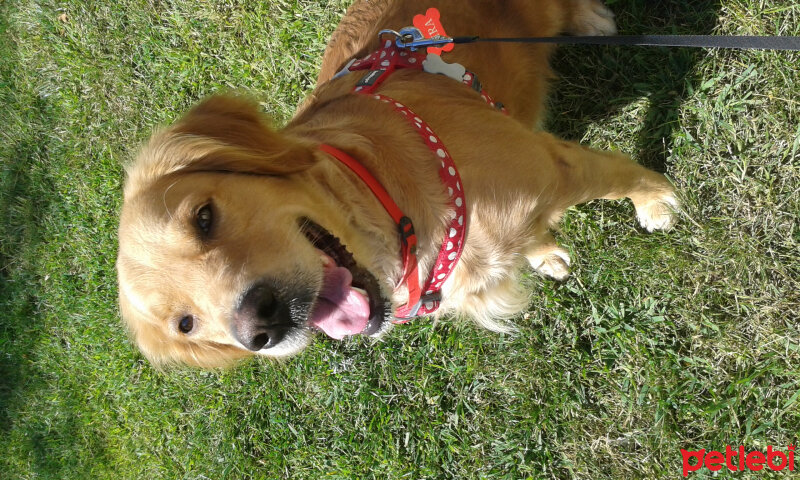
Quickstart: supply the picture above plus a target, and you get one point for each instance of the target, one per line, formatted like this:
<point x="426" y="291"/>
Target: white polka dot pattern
<point x="388" y="59"/>
<point x="456" y="232"/>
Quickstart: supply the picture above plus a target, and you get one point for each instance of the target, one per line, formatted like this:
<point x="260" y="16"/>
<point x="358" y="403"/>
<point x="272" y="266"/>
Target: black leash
<point x="702" y="41"/>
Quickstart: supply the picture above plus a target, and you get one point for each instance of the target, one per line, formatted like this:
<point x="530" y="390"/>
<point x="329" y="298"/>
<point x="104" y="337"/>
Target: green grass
<point x="689" y="339"/>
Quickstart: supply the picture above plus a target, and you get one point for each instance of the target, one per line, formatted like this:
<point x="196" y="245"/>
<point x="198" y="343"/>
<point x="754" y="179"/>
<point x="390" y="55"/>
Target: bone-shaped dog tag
<point x="434" y="64"/>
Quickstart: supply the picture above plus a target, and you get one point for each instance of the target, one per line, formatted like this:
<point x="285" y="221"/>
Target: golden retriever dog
<point x="238" y="239"/>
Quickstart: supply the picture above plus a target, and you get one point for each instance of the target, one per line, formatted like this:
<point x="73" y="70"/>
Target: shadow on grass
<point x="27" y="198"/>
<point x="599" y="82"/>
<point x="20" y="205"/>
<point x="20" y="295"/>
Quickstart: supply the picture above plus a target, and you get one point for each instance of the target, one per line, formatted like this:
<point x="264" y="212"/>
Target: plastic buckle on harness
<point x="407" y="235"/>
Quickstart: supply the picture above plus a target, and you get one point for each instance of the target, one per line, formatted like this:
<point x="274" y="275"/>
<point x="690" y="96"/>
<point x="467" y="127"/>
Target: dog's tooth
<point x="361" y="291"/>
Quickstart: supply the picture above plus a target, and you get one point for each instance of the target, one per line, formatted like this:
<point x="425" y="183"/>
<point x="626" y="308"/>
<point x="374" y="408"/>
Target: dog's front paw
<point x="592" y="17"/>
<point x="554" y="264"/>
<point x="659" y="213"/>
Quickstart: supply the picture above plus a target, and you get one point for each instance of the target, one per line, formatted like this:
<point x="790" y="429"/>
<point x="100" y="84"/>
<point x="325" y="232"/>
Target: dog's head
<point x="227" y="246"/>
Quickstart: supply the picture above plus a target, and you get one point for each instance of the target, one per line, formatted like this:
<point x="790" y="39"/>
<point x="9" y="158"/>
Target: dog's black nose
<point x="261" y="320"/>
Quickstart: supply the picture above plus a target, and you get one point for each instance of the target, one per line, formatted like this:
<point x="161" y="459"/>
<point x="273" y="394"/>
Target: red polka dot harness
<point x="422" y="300"/>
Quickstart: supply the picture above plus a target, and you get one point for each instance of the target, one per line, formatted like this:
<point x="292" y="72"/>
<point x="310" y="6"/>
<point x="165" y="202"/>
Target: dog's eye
<point x="186" y="324"/>
<point x="204" y="218"/>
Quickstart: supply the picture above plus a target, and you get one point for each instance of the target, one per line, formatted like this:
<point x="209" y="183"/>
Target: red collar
<point x="408" y="238"/>
<point x="421" y="300"/>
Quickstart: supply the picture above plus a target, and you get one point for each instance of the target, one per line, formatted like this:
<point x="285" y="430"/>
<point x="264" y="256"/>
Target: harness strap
<point x="381" y="64"/>
<point x="453" y="243"/>
<point x="408" y="243"/>
<point x="389" y="58"/>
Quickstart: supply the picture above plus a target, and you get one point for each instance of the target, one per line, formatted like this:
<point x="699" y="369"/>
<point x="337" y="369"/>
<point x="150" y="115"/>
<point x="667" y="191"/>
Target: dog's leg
<point x="589" y="174"/>
<point x="591" y="17"/>
<point x="548" y="258"/>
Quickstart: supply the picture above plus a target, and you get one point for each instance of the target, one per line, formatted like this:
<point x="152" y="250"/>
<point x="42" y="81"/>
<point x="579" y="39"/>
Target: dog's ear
<point x="221" y="134"/>
<point x="237" y="122"/>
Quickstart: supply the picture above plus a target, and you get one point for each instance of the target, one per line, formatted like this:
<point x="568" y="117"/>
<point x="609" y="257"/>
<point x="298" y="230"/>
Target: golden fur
<point x="518" y="181"/>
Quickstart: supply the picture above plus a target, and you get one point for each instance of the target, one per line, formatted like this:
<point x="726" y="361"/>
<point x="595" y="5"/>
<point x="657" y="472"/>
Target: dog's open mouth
<point x="350" y="300"/>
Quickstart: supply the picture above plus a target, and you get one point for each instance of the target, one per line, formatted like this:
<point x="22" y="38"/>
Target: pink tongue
<point x="340" y="310"/>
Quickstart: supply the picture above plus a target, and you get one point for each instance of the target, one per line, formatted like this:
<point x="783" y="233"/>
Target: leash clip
<point x="412" y="38"/>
